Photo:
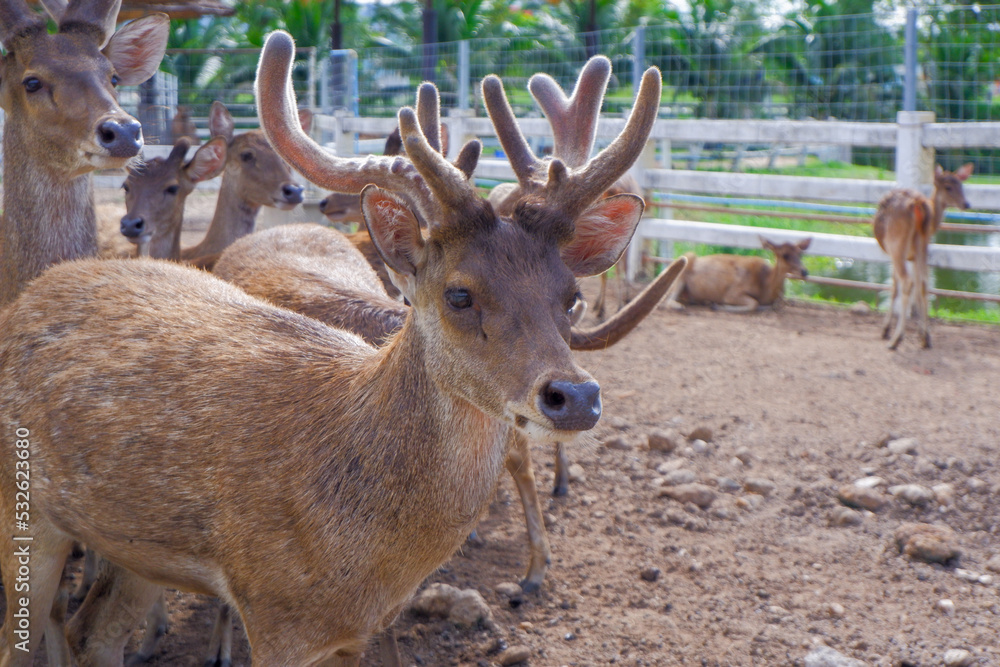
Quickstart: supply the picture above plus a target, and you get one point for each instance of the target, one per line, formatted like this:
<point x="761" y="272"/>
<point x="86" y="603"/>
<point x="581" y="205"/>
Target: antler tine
<point x="429" y="113"/>
<point x="99" y="14"/>
<point x="574" y="191"/>
<point x="16" y="19"/>
<point x="276" y="108"/>
<point x="449" y="183"/>
<point x="573" y="120"/>
<point x="468" y="157"/>
<point x="526" y="166"/>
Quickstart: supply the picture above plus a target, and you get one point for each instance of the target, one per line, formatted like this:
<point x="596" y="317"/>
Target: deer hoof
<point x="560" y="490"/>
<point x="528" y="586"/>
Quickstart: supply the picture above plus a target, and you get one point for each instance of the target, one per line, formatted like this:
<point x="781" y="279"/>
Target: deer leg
<point x="905" y="290"/>
<point x="90" y="559"/>
<point x="562" y="471"/>
<point x="156" y="627"/>
<point x="920" y="278"/>
<point x="56" y="647"/>
<point x="599" y="304"/>
<point x="112" y="610"/>
<point x="894" y="294"/>
<point x="741" y="304"/>
<point x="45" y="554"/>
<point x="389" y="649"/>
<point x="519" y="466"/>
<point x="220" y="648"/>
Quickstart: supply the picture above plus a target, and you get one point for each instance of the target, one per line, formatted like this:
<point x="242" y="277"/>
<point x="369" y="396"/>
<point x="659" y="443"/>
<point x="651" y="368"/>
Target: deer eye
<point x="459" y="299"/>
<point x="577" y="298"/>
<point x="171" y="190"/>
<point x="114" y="80"/>
<point x="246" y="156"/>
<point x="32" y="84"/>
<point x="125" y="187"/>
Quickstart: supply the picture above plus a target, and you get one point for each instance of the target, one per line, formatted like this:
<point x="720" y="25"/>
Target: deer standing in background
<point x="905" y="222"/>
<point x="254" y="176"/>
<point x="155" y="193"/>
<point x="182" y="125"/>
<point x="302" y="470"/>
<point x="738" y="283"/>
<point x="62" y="123"/>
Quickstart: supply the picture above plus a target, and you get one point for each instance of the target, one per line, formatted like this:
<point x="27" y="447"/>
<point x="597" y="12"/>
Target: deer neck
<point x="938" y="205"/>
<point x="48" y="216"/>
<point x="168" y="246"/>
<point x="234" y="218"/>
<point x="774" y="281"/>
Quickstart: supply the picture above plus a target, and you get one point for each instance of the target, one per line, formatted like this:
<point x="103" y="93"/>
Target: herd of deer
<point x="286" y="434"/>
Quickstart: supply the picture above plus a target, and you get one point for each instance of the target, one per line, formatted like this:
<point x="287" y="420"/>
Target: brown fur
<point x="904" y="224"/>
<point x="51" y="138"/>
<point x="182" y="125"/>
<point x="736" y="282"/>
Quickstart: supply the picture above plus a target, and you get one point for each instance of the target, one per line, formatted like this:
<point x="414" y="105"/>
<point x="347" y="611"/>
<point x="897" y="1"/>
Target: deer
<point x="182" y="125"/>
<point x="156" y="191"/>
<point x="378" y="461"/>
<point x="905" y="222"/>
<point x="63" y="122"/>
<point x="309" y="269"/>
<point x="738" y="283"/>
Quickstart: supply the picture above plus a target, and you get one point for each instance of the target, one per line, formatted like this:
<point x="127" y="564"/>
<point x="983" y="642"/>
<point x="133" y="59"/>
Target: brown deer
<point x="62" y="123"/>
<point x="182" y="125"/>
<point x="905" y="222"/>
<point x="156" y="191"/>
<point x="738" y="283"/>
<point x="299" y="469"/>
<point x="254" y="176"/>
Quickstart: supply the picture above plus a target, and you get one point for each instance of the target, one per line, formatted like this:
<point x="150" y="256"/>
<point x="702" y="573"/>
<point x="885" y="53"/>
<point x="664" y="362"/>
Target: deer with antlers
<point x="63" y="122"/>
<point x="905" y="222"/>
<point x="302" y="470"/>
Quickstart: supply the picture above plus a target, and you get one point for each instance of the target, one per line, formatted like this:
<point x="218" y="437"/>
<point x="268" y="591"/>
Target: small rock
<point x="824" y="656"/>
<point x="944" y="493"/>
<point x="550" y="520"/>
<point x="618" y="443"/>
<point x="866" y="499"/>
<point x="869" y="482"/>
<point x="845" y="516"/>
<point x="678" y="477"/>
<point x="914" y="494"/>
<point x="902" y="446"/>
<point x="700" y="433"/>
<point x="576" y="474"/>
<point x="514" y="655"/>
<point x="435" y="600"/>
<point x="946" y="607"/>
<point x="958" y="657"/>
<point x="993" y="564"/>
<point x="745" y="456"/>
<point x="509" y="590"/>
<point x="985" y="579"/>
<point x="927" y="542"/>
<point x="695" y="493"/>
<point x="727" y="484"/>
<point x="700" y="446"/>
<point x="976" y="485"/>
<point x="836" y="610"/>
<point x="672" y="464"/>
<point x="650" y="573"/>
<point x="662" y="441"/>
<point x="860" y="308"/>
<point x="470" y="609"/>
<point x="760" y="486"/>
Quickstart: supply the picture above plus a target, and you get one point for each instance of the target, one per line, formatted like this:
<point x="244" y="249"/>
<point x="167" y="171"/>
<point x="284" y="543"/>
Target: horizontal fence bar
<point x="776" y="132"/>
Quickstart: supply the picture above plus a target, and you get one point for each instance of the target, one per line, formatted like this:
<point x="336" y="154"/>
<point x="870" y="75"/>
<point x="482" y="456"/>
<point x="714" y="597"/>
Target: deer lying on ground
<point x="905" y="222"/>
<point x="738" y="283"/>
<point x="302" y="471"/>
<point x="62" y="123"/>
<point x="307" y="269"/>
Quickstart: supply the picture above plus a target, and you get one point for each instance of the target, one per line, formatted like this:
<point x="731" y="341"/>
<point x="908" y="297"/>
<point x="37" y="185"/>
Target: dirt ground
<point x="797" y="403"/>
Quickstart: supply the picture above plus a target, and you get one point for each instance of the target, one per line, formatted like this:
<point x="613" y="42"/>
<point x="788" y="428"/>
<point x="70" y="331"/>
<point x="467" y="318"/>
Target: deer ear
<point x="394" y="230"/>
<point x="137" y="48"/>
<point x="964" y="171"/>
<point x="602" y="233"/>
<point x="220" y="121"/>
<point x="208" y="162"/>
<point x="804" y="243"/>
<point x="764" y="243"/>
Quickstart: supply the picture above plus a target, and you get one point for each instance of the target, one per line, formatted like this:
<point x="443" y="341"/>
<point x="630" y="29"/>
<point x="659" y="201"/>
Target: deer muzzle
<point x="571" y="406"/>
<point x="119" y="137"/>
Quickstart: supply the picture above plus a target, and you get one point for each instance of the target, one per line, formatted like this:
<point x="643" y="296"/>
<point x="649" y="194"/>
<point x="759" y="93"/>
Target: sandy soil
<point x="799" y="402"/>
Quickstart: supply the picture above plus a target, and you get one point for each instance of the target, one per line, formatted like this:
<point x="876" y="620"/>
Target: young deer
<point x="155" y="193"/>
<point x="254" y="176"/>
<point x="738" y="283"/>
<point x="905" y="223"/>
<point x="182" y="126"/>
<point x="62" y="123"/>
<point x="302" y="470"/>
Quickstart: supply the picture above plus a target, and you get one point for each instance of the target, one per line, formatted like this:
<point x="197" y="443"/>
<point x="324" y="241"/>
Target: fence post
<point x="463" y="74"/>
<point x="914" y="161"/>
<point x="910" y="80"/>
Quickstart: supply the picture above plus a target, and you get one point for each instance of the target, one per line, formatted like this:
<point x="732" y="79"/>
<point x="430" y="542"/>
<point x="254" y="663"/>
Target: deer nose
<point x="805" y="273"/>
<point x="571" y="406"/>
<point x="292" y="192"/>
<point x="323" y="203"/>
<point x="120" y="139"/>
<point x="133" y="227"/>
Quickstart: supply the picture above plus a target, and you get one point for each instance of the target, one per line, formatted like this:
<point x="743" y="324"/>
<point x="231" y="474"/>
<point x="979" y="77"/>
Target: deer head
<point x="788" y="257"/>
<point x="59" y="90"/>
<point x="492" y="295"/>
<point x="156" y="190"/>
<point x="948" y="189"/>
